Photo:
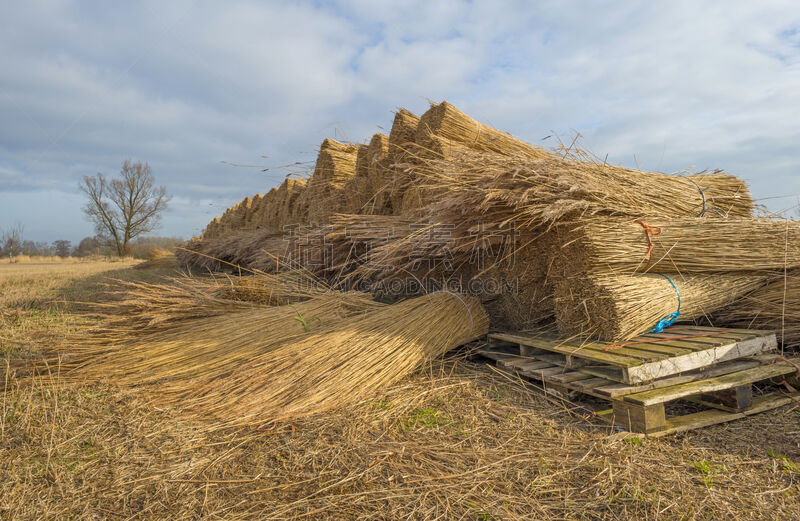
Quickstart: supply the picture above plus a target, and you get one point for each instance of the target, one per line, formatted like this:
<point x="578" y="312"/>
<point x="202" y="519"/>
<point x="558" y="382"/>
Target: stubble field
<point x="458" y="440"/>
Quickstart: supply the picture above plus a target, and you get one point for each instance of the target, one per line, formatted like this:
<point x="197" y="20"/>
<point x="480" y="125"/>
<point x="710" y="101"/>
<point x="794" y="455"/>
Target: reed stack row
<point x="552" y="239"/>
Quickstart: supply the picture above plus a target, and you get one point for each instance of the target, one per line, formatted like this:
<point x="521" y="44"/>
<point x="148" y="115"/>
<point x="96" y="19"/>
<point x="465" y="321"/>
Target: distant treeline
<point x="90" y="246"/>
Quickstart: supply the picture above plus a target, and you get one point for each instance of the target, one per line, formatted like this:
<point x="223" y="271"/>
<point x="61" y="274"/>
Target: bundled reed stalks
<point x="359" y="357"/>
<point x="357" y="191"/>
<point x="447" y="122"/>
<point x="378" y="173"/>
<point x="401" y="145"/>
<point x="261" y="250"/>
<point x="535" y="192"/>
<point x="775" y="306"/>
<point x="618" y="307"/>
<point x="158" y="258"/>
<point x="195" y="351"/>
<point x="324" y="194"/>
<point x="688" y="244"/>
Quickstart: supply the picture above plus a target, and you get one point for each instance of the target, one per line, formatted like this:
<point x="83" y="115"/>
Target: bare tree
<point x="62" y="247"/>
<point x="126" y="207"/>
<point x="11" y="240"/>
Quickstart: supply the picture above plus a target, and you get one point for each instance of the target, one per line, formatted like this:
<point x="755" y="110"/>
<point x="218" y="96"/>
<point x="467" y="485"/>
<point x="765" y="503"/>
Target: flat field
<point x="457" y="440"/>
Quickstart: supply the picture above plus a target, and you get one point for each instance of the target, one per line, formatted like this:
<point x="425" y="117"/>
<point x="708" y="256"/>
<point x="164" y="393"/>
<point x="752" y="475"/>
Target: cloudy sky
<point x="195" y="88"/>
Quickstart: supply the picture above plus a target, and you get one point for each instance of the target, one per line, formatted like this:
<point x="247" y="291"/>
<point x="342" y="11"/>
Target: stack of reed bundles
<point x="379" y="175"/>
<point x="251" y="249"/>
<point x="449" y="124"/>
<point x="292" y="189"/>
<point x="401" y="146"/>
<point x="336" y="164"/>
<point x="357" y="190"/>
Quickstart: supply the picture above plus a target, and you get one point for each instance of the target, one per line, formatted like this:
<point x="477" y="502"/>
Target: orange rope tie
<point x="649" y="233"/>
<point x="609" y="347"/>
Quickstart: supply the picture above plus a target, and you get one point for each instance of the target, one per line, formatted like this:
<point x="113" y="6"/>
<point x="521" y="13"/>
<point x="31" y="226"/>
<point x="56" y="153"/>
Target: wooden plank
<point x="571" y="376"/>
<point x="620" y="389"/>
<point x="711" y="329"/>
<point x="734" y="400"/>
<point x="588" y="384"/>
<point x="539" y="374"/>
<point x="654" y="370"/>
<point x="495" y="355"/>
<point x="594" y="354"/>
<point x="519" y="364"/>
<point x="712" y="417"/>
<point x="718" y="383"/>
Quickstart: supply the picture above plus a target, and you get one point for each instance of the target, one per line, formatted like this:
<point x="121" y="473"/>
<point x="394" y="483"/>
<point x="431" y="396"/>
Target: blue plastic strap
<point x="672" y="317"/>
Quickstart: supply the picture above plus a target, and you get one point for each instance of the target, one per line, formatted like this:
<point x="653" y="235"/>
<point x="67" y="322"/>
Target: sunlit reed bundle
<point x="211" y="347"/>
<point x="357" y="190"/>
<point x="446" y="121"/>
<point x="146" y="307"/>
<point x="378" y="173"/>
<point x="619" y="307"/>
<point x="324" y="193"/>
<point x="256" y="249"/>
<point x="328" y="369"/>
<point x="158" y="258"/>
<point x="689" y="244"/>
<point x="775" y="306"/>
<point x="533" y="192"/>
<point x="401" y="143"/>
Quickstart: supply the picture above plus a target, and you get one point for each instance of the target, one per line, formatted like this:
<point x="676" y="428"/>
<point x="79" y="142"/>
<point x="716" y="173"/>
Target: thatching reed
<point x="535" y="192"/>
<point x="357" y="191"/>
<point x="775" y="306"/>
<point x="401" y="150"/>
<point x="379" y="174"/>
<point x="686" y="245"/>
<point x="256" y="249"/>
<point x="619" y="307"/>
<point x="357" y="358"/>
<point x="324" y="193"/>
<point x="446" y="121"/>
<point x="209" y="347"/>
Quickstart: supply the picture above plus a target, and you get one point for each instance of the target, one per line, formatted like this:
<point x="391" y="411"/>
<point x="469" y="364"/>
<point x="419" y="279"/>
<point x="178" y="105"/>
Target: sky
<point x="212" y="93"/>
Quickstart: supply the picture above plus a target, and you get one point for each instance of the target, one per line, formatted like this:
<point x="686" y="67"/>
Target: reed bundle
<point x="357" y="191"/>
<point x="446" y="121"/>
<point x="327" y="369"/>
<point x="534" y="192"/>
<point x="194" y="351"/>
<point x="336" y="164"/>
<point x="290" y="191"/>
<point x="401" y="144"/>
<point x="619" y="307"/>
<point x="378" y="173"/>
<point x="775" y="306"/>
<point x="255" y="249"/>
<point x="688" y="244"/>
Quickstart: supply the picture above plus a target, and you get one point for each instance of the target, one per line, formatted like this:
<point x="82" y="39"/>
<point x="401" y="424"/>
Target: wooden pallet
<point x="652" y="356"/>
<point x="724" y="390"/>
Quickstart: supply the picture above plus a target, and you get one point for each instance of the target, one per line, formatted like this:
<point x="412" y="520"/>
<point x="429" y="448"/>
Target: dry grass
<point x="454" y="441"/>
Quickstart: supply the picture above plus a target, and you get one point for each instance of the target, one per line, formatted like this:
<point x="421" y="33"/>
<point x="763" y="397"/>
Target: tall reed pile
<point x="357" y="190"/>
<point x="687" y="244"/>
<point x="401" y="149"/>
<point x="330" y="368"/>
<point x="324" y="193"/>
<point x="448" y="124"/>
<point x="775" y="306"/>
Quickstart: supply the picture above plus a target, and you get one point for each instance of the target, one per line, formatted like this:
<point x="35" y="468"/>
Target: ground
<point x="457" y="440"/>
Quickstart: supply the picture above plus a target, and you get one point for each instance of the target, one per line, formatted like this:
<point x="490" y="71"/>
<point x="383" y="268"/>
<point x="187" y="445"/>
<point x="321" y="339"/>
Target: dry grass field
<point x="457" y="440"/>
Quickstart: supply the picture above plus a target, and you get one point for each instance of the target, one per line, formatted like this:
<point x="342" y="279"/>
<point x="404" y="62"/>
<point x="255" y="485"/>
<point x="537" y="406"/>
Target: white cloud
<point x="187" y="85"/>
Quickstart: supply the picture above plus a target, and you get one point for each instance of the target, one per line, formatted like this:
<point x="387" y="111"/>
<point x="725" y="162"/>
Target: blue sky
<point x="192" y="87"/>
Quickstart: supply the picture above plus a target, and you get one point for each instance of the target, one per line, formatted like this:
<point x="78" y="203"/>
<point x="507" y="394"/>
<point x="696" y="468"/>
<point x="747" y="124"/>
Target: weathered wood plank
<point x="620" y="389"/>
<point x="644" y="419"/>
<point x="708" y="385"/>
<point x="679" y="364"/>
